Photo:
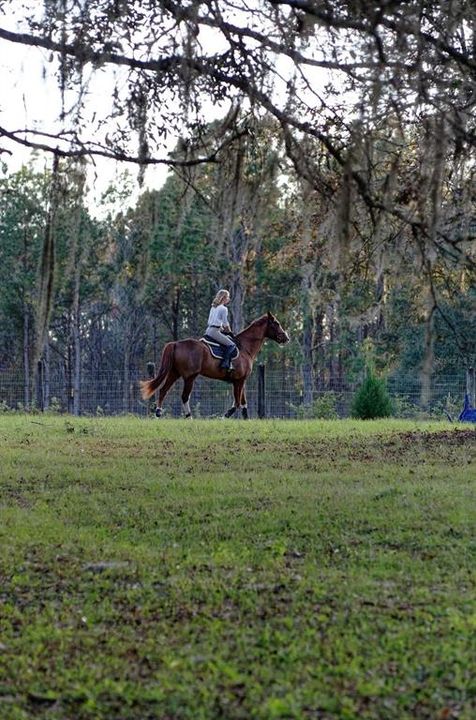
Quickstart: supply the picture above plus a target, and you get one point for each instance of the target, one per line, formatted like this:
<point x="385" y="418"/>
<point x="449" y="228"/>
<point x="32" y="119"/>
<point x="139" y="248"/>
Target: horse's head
<point x="275" y="332"/>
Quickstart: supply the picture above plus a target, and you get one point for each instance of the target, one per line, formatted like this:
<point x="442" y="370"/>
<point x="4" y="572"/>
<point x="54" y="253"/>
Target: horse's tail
<point x="148" y="387"/>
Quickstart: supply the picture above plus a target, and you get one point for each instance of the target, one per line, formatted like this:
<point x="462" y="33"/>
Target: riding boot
<point x="225" y="364"/>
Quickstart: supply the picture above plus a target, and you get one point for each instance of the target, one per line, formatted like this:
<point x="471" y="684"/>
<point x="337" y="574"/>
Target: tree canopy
<point x="337" y="72"/>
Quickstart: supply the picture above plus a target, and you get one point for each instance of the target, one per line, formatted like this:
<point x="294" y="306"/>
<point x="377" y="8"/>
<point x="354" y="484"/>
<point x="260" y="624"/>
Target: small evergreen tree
<point x="371" y="399"/>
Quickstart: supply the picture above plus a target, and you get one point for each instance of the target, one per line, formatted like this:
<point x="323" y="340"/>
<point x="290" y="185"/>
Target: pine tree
<point x="371" y="399"/>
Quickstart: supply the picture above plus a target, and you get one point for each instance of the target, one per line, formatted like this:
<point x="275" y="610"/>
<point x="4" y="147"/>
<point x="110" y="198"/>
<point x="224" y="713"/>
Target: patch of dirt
<point x="431" y="439"/>
<point x="454" y="446"/>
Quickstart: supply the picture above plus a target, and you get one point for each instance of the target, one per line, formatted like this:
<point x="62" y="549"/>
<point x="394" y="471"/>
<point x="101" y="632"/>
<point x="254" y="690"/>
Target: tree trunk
<point x="46" y="376"/>
<point x="126" y="375"/>
<point x="47" y="266"/>
<point x="26" y="330"/>
<point x="334" y="372"/>
<point x="307" y="337"/>
<point x="126" y="371"/>
<point x="176" y="313"/>
<point x="238" y="250"/>
<point x="428" y="358"/>
<point x="318" y="365"/>
<point x="77" y="347"/>
<point x="195" y="328"/>
<point x="69" y="379"/>
<point x="26" y="356"/>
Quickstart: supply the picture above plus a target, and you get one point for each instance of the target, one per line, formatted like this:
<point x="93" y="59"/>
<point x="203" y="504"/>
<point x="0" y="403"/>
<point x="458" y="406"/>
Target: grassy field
<point x="208" y="569"/>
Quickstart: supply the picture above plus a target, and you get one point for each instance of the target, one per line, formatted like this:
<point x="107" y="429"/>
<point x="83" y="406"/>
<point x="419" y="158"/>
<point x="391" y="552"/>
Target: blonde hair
<point x="219" y="297"/>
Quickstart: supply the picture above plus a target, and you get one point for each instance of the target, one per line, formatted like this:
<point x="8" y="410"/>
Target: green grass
<point x="209" y="569"/>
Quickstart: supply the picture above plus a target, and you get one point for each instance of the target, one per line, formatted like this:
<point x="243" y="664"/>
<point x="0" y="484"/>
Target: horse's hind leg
<point x="187" y="389"/>
<point x="172" y="377"/>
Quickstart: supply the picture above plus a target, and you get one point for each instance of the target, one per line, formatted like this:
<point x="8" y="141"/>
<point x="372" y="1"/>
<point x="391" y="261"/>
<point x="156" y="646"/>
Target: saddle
<point x="217" y="350"/>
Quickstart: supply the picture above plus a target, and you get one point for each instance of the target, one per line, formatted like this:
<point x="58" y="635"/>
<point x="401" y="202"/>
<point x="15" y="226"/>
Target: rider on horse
<point x="217" y="323"/>
<point x="189" y="358"/>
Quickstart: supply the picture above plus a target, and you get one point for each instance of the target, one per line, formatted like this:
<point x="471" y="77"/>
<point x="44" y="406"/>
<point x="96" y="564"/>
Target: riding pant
<point x="217" y="335"/>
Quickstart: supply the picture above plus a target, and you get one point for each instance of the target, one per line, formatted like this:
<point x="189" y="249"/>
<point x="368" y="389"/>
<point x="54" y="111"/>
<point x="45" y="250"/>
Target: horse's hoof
<point x="158" y="412"/>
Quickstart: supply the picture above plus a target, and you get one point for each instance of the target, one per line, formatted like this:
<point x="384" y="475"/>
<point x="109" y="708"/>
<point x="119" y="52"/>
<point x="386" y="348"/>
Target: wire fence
<point x="109" y="393"/>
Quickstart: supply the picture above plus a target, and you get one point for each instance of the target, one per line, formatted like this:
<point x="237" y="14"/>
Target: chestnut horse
<point x="190" y="358"/>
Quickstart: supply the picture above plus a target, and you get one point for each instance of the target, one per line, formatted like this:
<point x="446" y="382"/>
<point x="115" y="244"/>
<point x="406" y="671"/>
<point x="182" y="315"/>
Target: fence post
<point x="261" y="391"/>
<point x="471" y="386"/>
<point x="39" y="386"/>
<point x="151" y="375"/>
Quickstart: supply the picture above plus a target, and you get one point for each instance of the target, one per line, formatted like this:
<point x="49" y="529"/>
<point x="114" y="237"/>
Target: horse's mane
<point x="254" y="323"/>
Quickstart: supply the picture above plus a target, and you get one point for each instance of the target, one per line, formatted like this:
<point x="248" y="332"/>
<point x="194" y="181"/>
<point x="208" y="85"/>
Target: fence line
<point x="275" y="394"/>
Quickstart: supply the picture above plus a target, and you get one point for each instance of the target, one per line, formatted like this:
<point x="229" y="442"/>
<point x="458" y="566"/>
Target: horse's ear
<point x="270" y="316"/>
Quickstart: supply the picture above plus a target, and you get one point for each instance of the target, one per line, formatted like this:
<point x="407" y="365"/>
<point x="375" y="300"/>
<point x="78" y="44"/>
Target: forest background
<point x="344" y="206"/>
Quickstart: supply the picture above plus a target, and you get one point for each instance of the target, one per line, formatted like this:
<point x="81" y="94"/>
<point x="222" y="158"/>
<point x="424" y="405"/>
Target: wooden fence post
<point x="261" y="391"/>
<point x="471" y="386"/>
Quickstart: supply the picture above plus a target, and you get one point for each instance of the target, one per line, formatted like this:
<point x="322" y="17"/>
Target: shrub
<point x="323" y="407"/>
<point x="54" y="407"/>
<point x="403" y="407"/>
<point x="447" y="408"/>
<point x="371" y="399"/>
<point x="4" y="407"/>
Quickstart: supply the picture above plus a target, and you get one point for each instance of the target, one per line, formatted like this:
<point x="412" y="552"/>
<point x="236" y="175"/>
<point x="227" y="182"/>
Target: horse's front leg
<point x="237" y="390"/>
<point x="244" y="406"/>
